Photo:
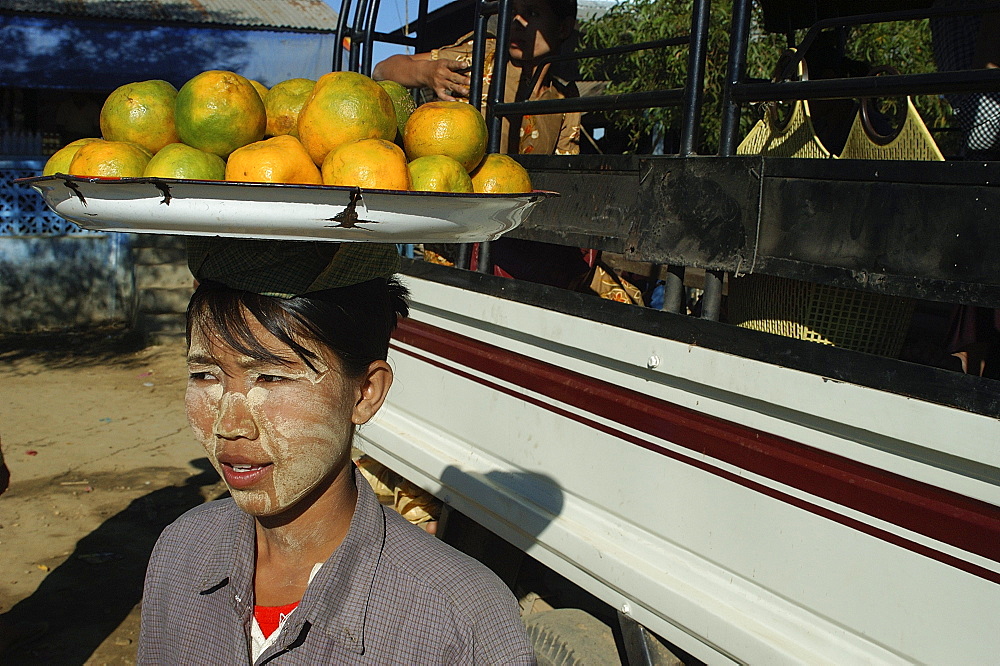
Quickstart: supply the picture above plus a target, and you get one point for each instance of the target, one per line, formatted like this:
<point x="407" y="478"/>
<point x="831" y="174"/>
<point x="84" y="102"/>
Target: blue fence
<point x="55" y="276"/>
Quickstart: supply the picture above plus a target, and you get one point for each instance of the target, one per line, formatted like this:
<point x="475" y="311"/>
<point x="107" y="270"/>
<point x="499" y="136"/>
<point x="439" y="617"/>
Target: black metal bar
<point x="935" y="83"/>
<point x="494" y="122"/>
<point x="635" y="640"/>
<point x="463" y="256"/>
<point x="484" y="263"/>
<point x="739" y="35"/>
<point x="611" y="50"/>
<point x="390" y="38"/>
<point x="711" y="298"/>
<point x="369" y="30"/>
<point x="639" y="100"/>
<point x="422" y="9"/>
<point x="673" y="289"/>
<point x="342" y="32"/>
<point x="478" y="57"/>
<point x="695" y="83"/>
<point x="357" y="29"/>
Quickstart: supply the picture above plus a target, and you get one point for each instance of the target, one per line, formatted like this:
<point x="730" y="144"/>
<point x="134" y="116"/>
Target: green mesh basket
<point x="847" y="318"/>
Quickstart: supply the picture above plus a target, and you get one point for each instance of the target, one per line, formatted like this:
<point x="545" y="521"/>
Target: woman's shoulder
<point x="200" y="523"/>
<point x="424" y="557"/>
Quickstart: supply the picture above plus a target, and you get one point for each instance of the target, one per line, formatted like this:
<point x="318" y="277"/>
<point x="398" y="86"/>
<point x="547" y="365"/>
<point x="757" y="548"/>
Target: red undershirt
<point x="269" y="617"/>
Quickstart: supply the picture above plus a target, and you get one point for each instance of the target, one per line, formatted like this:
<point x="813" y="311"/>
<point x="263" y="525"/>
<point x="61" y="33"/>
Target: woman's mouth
<point x="241" y="476"/>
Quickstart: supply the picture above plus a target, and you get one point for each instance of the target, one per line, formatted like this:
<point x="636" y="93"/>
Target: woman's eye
<point x="201" y="376"/>
<point x="271" y="378"/>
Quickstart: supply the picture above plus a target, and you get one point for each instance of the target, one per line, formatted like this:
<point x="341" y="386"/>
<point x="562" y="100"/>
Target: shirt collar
<point x="231" y="563"/>
<point x="336" y="601"/>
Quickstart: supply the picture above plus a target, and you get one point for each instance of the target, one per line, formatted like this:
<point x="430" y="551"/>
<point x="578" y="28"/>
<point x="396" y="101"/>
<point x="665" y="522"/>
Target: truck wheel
<point x="571" y="637"/>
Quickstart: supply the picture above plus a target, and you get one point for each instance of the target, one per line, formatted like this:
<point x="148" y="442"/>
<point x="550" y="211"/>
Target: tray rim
<point x="156" y="181"/>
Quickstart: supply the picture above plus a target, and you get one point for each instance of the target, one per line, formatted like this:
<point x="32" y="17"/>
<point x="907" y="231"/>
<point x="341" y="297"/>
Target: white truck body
<point x="744" y="511"/>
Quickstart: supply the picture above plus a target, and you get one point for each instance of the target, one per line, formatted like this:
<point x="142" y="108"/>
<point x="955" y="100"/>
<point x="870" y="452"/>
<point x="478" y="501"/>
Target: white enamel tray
<point x="281" y="212"/>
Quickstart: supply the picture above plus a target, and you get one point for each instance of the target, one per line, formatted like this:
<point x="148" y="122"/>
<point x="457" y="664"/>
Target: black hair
<point x="354" y="322"/>
<point x="564" y="9"/>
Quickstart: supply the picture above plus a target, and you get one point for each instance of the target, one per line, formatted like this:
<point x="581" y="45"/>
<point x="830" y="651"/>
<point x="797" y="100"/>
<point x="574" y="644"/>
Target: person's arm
<point x="447" y="78"/>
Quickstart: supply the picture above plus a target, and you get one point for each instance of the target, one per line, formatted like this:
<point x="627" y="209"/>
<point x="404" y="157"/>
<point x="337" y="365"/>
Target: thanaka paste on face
<point x="301" y="424"/>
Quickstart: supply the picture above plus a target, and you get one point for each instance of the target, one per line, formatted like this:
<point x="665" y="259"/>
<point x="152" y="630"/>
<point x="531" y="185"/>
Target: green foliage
<point x="905" y="45"/>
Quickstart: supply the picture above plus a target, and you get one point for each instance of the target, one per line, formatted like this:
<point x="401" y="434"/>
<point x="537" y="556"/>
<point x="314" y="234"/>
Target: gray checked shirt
<point x="390" y="594"/>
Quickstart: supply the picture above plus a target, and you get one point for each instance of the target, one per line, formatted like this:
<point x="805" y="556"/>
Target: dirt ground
<point x="101" y="460"/>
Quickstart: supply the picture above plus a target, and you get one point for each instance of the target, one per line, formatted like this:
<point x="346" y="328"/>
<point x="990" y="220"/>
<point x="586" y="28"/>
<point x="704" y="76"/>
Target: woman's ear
<point x="373" y="389"/>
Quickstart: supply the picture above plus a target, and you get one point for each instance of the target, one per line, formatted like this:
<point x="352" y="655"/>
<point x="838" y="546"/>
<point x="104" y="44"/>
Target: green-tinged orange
<point x="454" y="129"/>
<point x="283" y="104"/>
<point x="280" y="159"/>
<point x="345" y="107"/>
<point x="141" y="112"/>
<point x="259" y="87"/>
<point x="219" y="111"/>
<point x="438" y="173"/>
<point x="402" y="102"/>
<point x="368" y="163"/>
<point x="109" y="159"/>
<point x="60" y="160"/>
<point x="501" y="174"/>
<point x="179" y="160"/>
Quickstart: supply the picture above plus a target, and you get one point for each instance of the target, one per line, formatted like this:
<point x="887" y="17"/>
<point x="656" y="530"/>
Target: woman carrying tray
<point x="287" y="356"/>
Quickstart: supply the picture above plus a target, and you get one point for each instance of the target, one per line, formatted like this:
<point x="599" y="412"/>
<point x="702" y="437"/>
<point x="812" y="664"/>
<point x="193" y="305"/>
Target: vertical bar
<point x="484" y="263"/>
<point x="636" y="641"/>
<point x="478" y="56"/>
<point x="354" y="60"/>
<point x="695" y="84"/>
<point x="711" y="299"/>
<point x="369" y="29"/>
<point x="738" y="37"/>
<point x="342" y="32"/>
<point x="463" y="256"/>
<point x="502" y="55"/>
<point x="673" y="289"/>
<point x="422" y="45"/>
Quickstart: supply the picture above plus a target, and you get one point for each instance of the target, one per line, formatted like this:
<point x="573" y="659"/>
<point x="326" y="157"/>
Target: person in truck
<point x="539" y="28"/>
<point x="287" y="346"/>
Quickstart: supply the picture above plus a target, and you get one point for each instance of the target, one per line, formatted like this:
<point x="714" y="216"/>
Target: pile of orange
<point x="344" y="129"/>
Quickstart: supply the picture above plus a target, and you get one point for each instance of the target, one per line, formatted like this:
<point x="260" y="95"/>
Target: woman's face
<point x="536" y="30"/>
<point x="275" y="432"/>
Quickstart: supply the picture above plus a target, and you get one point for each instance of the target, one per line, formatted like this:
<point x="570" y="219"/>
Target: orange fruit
<point x="109" y="159"/>
<point x="283" y="103"/>
<point x="280" y="159"/>
<point x="454" y="129"/>
<point x="218" y="112"/>
<point x="142" y="113"/>
<point x="60" y="160"/>
<point x="501" y="174"/>
<point x="370" y="163"/>
<point x="344" y="107"/>
<point x="438" y="173"/>
<point x="179" y="160"/>
<point x="259" y="87"/>
<point x="402" y="102"/>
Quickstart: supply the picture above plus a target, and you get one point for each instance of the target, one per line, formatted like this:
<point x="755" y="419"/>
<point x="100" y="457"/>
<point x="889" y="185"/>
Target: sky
<point x="393" y="14"/>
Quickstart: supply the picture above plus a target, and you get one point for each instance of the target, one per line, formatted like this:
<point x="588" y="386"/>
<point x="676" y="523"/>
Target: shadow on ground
<point x="71" y="350"/>
<point x="87" y="597"/>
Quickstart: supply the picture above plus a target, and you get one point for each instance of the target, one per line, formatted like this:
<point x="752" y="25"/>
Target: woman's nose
<point x="234" y="420"/>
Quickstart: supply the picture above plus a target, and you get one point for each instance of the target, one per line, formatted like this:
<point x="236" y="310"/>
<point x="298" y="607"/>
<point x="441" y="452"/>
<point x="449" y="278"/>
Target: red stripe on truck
<point x="939" y="514"/>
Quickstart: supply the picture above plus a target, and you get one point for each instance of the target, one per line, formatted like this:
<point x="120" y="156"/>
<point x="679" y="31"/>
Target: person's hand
<point x="448" y="79"/>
